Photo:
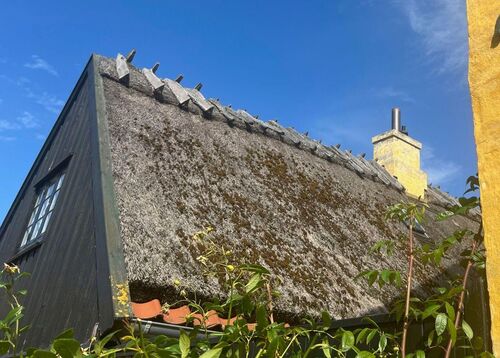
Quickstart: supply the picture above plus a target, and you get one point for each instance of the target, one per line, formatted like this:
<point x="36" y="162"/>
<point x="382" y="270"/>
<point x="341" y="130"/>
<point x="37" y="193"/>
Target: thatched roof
<point x="307" y="212"/>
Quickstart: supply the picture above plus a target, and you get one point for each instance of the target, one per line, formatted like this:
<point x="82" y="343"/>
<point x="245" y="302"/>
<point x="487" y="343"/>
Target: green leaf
<point x="419" y="354"/>
<point x="397" y="278"/>
<point x="361" y="335"/>
<point x="486" y="355"/>
<point x="247" y="305"/>
<point x="444" y="215"/>
<point x="272" y="347"/>
<point x="382" y="343"/>
<point x="453" y="292"/>
<point x="326" y="320"/>
<point x="39" y="353"/>
<point x="370" y="321"/>
<point x="14" y="315"/>
<point x="66" y="347"/>
<point x="184" y="344"/>
<point x="376" y="248"/>
<point x="450" y="311"/>
<point x="4" y="347"/>
<point x="477" y="343"/>
<point x="430" y="338"/>
<point x="452" y="331"/>
<point x="365" y="354"/>
<point x="439" y="340"/>
<point x="24" y="329"/>
<point x="112" y="352"/>
<point x="66" y="334"/>
<point x="326" y="348"/>
<point x="234" y="298"/>
<point x="370" y="336"/>
<point x="473" y="181"/>
<point x="255" y="268"/>
<point x="212" y="353"/>
<point x="440" y="323"/>
<point x="30" y="352"/>
<point x="347" y="341"/>
<point x="385" y="277"/>
<point x="430" y="310"/>
<point x="261" y="315"/>
<point x="23" y="274"/>
<point x="99" y="345"/>
<point x="438" y="255"/>
<point x="254" y="283"/>
<point x="467" y="330"/>
<point x="373" y="277"/>
<point x="441" y="290"/>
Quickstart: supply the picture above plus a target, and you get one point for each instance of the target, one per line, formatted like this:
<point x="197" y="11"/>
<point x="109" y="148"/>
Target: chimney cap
<point x="396" y="119"/>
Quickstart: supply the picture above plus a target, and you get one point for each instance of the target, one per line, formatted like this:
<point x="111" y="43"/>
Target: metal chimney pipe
<point x="396" y="119"/>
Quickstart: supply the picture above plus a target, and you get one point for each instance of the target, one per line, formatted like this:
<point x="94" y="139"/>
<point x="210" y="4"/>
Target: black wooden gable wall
<point x="63" y="287"/>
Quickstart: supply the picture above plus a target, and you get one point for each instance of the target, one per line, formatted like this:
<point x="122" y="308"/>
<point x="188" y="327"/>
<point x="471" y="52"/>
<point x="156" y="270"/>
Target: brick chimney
<point x="400" y="155"/>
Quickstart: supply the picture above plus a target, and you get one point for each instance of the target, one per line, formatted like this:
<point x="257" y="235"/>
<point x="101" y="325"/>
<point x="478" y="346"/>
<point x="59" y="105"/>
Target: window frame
<point x="43" y="209"/>
<point x="54" y="179"/>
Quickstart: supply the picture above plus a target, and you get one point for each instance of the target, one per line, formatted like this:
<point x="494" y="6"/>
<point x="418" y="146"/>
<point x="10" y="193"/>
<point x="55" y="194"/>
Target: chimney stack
<point x="400" y="155"/>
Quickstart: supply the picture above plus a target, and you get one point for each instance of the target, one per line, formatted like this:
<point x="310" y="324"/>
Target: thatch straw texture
<point x="309" y="220"/>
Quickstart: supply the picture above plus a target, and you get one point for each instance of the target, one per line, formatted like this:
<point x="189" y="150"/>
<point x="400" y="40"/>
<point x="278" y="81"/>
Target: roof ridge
<point x="171" y="91"/>
<point x="447" y="200"/>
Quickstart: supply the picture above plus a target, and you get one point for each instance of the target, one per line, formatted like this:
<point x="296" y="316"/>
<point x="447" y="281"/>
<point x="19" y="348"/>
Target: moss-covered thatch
<point x="307" y="216"/>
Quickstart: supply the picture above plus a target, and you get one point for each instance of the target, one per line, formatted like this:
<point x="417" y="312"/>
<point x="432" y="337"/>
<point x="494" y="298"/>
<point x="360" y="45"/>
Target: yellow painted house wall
<point x="484" y="82"/>
<point x="400" y="155"/>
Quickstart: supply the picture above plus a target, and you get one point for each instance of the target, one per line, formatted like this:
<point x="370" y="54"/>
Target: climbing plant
<point x="446" y="305"/>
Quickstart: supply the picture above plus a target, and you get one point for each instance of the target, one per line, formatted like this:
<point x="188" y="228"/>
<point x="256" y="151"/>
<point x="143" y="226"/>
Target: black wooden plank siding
<point x="63" y="286"/>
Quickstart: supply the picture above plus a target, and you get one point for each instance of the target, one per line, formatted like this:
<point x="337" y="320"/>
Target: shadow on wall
<point x="495" y="40"/>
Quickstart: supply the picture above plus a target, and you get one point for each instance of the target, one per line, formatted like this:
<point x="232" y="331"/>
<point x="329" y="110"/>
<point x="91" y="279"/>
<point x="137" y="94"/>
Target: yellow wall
<point x="400" y="155"/>
<point x="484" y="81"/>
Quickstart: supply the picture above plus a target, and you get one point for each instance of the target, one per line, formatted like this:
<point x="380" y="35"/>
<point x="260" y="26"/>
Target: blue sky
<point x="333" y="68"/>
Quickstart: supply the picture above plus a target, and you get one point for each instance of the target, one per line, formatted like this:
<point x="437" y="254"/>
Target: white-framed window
<point x="44" y="207"/>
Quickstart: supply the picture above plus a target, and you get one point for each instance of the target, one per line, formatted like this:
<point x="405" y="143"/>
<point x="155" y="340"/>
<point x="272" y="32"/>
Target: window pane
<point x="51" y="190"/>
<point x="54" y="200"/>
<point x="25" y="237"/>
<point x="46" y="223"/>
<point x="59" y="182"/>
<point x="36" y="230"/>
<point x="39" y="197"/>
<point x="32" y="218"/>
<point x="29" y="230"/>
<point x="36" y="212"/>
<point x="45" y="205"/>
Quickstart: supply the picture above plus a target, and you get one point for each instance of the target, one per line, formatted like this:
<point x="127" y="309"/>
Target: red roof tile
<point x="211" y="319"/>
<point x="180" y="316"/>
<point x="177" y="315"/>
<point x="147" y="310"/>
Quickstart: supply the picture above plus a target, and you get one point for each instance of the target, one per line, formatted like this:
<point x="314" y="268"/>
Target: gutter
<point x="153" y="328"/>
<point x="362" y="321"/>
<point x="171" y="330"/>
